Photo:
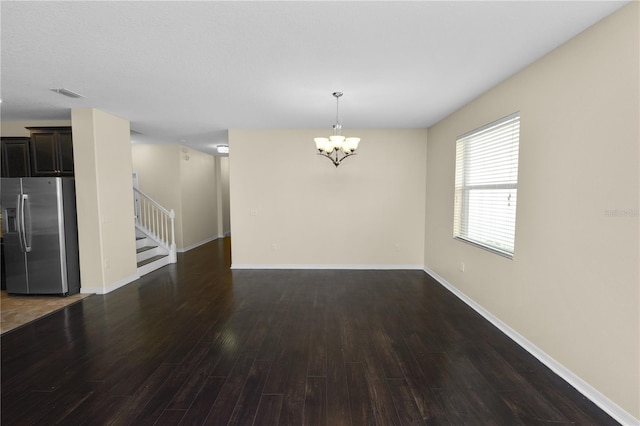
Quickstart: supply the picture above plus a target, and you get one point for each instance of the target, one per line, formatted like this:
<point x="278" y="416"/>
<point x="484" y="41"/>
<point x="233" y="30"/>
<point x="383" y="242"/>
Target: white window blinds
<point x="486" y="188"/>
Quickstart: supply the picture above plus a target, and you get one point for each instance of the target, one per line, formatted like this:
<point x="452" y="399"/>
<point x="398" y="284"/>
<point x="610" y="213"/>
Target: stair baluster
<point x="156" y="221"/>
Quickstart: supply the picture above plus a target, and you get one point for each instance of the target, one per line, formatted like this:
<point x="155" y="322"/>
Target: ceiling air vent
<point x="68" y="93"/>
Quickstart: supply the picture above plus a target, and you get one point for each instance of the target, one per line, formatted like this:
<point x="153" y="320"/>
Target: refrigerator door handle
<point x="19" y="220"/>
<point x="26" y="240"/>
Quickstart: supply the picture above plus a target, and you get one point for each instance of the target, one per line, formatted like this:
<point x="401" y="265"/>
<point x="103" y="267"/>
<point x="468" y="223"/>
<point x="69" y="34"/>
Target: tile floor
<point x="17" y="310"/>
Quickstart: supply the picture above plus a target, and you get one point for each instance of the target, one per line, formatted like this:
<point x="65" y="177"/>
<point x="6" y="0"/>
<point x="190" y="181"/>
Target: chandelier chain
<point x="338" y="126"/>
<point x="336" y="145"/>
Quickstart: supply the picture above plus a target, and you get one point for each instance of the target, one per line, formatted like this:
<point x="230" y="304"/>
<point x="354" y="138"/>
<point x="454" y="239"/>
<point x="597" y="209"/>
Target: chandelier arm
<point x="335" y="163"/>
<point x="346" y="155"/>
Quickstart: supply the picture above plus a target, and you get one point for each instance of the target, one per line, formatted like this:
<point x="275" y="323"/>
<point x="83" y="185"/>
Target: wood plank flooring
<point x="195" y="343"/>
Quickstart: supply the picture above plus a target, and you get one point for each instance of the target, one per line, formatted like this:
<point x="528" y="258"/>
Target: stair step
<point x="151" y="259"/>
<point x="150" y="254"/>
<point x="145" y="248"/>
<point x="141" y="242"/>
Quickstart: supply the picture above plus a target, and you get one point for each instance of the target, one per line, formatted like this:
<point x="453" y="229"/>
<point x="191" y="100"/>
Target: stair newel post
<point x="172" y="251"/>
<point x="163" y="230"/>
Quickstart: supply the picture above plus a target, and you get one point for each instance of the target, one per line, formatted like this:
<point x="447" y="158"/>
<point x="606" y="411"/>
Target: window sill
<point x="487" y="248"/>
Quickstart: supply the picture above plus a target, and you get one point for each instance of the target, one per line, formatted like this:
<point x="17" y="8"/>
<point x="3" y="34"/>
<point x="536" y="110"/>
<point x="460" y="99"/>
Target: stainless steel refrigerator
<point x="40" y="235"/>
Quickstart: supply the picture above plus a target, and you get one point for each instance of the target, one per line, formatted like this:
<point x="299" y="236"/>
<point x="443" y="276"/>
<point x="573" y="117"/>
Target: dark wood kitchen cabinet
<point x="15" y="157"/>
<point x="51" y="151"/>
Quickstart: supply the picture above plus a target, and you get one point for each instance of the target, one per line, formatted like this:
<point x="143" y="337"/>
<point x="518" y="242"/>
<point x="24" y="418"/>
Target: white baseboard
<point x="110" y="287"/>
<point x="343" y="267"/>
<point x="608" y="406"/>
<point x="198" y="244"/>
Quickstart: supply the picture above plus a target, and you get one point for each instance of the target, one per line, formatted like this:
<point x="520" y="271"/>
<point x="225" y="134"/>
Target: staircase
<point x="149" y="255"/>
<point x="155" y="235"/>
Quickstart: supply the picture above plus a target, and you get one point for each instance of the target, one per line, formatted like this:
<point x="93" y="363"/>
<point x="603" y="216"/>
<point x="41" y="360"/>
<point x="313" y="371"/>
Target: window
<point x="487" y="185"/>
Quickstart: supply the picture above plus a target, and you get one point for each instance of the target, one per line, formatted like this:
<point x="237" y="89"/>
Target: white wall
<point x="290" y="207"/>
<point x="572" y="288"/>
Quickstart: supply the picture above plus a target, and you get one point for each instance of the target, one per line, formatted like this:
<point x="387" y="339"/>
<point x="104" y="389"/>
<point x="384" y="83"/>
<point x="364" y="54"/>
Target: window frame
<point x="462" y="189"/>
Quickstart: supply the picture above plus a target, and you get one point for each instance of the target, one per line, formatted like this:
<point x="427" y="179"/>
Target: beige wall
<point x="105" y="233"/>
<point x="104" y="194"/>
<point x="222" y="184"/>
<point x="158" y="168"/>
<point x="199" y="198"/>
<point x="18" y="128"/>
<point x="290" y="207"/>
<point x="186" y="186"/>
<point x="224" y="207"/>
<point x="572" y="288"/>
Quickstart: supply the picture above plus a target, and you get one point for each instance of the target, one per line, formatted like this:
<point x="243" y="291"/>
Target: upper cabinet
<point x="15" y="157"/>
<point x="51" y="151"/>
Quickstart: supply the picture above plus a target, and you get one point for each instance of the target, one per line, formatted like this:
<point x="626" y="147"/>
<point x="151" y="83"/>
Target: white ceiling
<point x="189" y="71"/>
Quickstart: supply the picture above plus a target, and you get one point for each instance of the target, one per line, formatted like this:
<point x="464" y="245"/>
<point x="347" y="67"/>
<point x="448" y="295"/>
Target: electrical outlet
<point x="253" y="212"/>
<point x="274" y="246"/>
<point x="462" y="266"/>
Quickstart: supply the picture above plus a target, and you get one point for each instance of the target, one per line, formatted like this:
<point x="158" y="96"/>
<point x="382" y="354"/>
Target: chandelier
<point x="336" y="147"/>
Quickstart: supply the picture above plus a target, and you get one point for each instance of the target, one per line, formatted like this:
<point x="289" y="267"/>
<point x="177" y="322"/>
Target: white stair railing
<point x="156" y="221"/>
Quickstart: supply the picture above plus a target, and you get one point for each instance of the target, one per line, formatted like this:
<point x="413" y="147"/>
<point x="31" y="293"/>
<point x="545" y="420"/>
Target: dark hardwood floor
<point x="196" y="343"/>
